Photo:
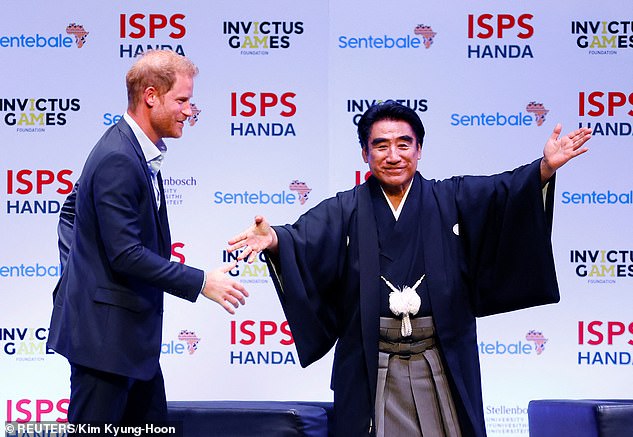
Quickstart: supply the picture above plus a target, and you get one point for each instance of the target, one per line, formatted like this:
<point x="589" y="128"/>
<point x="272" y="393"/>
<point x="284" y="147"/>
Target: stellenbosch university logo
<point x="261" y="342"/>
<point x="35" y="114"/>
<point x="606" y="112"/>
<point x="605" y="343"/>
<point x="420" y="36"/>
<point x="140" y="32"/>
<point x="534" y="115"/>
<point x="500" y="36"/>
<point x="74" y="35"/>
<point x="602" y="266"/>
<point x="24" y="343"/>
<point x="532" y="344"/>
<point x="506" y="419"/>
<point x="263" y="114"/>
<point x="297" y="193"/>
<point x="261" y="37"/>
<point x="357" y="107"/>
<point x="603" y="37"/>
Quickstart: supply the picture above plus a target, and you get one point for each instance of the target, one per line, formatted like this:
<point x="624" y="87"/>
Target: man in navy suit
<point x="115" y="247"/>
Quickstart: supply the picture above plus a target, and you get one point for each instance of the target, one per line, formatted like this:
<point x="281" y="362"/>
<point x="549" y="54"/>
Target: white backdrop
<point x="281" y="84"/>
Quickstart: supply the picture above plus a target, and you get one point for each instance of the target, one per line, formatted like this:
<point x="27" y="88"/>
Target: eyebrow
<point x="379" y="140"/>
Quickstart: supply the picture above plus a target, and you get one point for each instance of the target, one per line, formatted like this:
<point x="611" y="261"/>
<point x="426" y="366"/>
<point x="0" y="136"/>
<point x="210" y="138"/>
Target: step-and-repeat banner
<point x="281" y="87"/>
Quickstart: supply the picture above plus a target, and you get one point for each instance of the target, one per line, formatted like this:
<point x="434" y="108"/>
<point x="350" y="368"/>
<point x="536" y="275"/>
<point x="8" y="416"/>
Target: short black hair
<point x="389" y="110"/>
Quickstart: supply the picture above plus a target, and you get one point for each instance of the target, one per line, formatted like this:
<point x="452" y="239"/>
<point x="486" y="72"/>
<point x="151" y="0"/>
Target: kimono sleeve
<point x="506" y="223"/>
<point x="307" y="276"/>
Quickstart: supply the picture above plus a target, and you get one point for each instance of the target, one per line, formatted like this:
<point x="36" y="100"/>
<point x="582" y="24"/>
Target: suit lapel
<point x="369" y="265"/>
<point x="160" y="217"/>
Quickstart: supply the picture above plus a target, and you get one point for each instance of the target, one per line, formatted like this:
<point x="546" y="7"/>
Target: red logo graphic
<point x="139" y="25"/>
<point x="78" y="31"/>
<point x="26" y="181"/>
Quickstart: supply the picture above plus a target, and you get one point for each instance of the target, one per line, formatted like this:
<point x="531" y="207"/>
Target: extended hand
<point x="559" y="150"/>
<point x="223" y="290"/>
<point x="258" y="237"/>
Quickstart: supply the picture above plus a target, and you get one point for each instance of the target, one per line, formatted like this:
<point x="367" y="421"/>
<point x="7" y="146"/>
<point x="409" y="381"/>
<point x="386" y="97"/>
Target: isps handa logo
<point x="533" y="115"/>
<point x="261" y="342"/>
<point x="74" y="35"/>
<point x="140" y="32"/>
<point x="607" y="112"/>
<point x="261" y="37"/>
<point x="185" y="343"/>
<point x="513" y="30"/>
<point x="36" y="114"/>
<point x="263" y="114"/>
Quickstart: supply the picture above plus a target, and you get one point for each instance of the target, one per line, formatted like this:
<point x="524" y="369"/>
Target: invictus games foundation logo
<point x="357" y="107"/>
<point x="603" y="37"/>
<point x="35" y="114"/>
<point x="24" y="343"/>
<point x="422" y="35"/>
<point x="602" y="266"/>
<point x="75" y="33"/>
<point x="261" y="37"/>
<point x="534" y="115"/>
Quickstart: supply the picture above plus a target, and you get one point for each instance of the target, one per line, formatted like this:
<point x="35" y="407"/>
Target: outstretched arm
<point x="559" y="150"/>
<point x="258" y="237"/>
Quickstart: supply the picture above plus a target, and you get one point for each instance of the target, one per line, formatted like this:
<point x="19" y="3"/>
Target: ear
<point x="364" y="152"/>
<point x="150" y="96"/>
<point x="419" y="151"/>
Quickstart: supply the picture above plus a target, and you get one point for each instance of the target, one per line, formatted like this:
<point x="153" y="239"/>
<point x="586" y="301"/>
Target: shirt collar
<point x="150" y="150"/>
<point x="396" y="212"/>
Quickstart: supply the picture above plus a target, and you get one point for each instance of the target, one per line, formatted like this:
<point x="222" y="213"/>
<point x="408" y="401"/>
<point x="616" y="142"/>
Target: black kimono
<point x="498" y="258"/>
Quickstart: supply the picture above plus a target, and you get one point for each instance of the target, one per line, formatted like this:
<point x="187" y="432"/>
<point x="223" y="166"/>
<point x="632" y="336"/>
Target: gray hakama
<point x="412" y="395"/>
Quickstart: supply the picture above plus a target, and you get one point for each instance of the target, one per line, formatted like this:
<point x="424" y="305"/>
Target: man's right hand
<point x="222" y="289"/>
<point x="258" y="237"/>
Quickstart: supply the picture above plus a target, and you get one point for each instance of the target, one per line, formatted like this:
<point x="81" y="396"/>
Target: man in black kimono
<point x="422" y="256"/>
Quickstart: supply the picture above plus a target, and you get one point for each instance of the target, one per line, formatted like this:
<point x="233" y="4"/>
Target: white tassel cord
<point x="405" y="302"/>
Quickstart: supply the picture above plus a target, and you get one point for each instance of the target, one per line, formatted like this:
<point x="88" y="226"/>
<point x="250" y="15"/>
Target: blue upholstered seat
<point x="581" y="418"/>
<point x="251" y="418"/>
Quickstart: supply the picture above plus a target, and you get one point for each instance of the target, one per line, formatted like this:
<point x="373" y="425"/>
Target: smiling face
<point x="170" y="110"/>
<point x="392" y="153"/>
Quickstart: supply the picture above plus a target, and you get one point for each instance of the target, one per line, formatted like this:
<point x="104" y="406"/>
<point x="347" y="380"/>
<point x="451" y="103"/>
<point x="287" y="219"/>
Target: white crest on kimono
<point x="405" y="302"/>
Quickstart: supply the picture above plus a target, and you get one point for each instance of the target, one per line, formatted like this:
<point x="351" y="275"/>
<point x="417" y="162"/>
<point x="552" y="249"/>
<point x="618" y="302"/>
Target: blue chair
<point x="581" y="418"/>
<point x="251" y="418"/>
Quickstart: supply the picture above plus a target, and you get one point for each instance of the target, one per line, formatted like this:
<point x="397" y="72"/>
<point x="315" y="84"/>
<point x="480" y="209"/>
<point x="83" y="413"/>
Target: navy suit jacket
<point x="108" y="304"/>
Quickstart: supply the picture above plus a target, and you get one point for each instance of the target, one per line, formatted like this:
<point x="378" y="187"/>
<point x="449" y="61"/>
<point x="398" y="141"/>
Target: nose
<point x="186" y="109"/>
<point x="392" y="154"/>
